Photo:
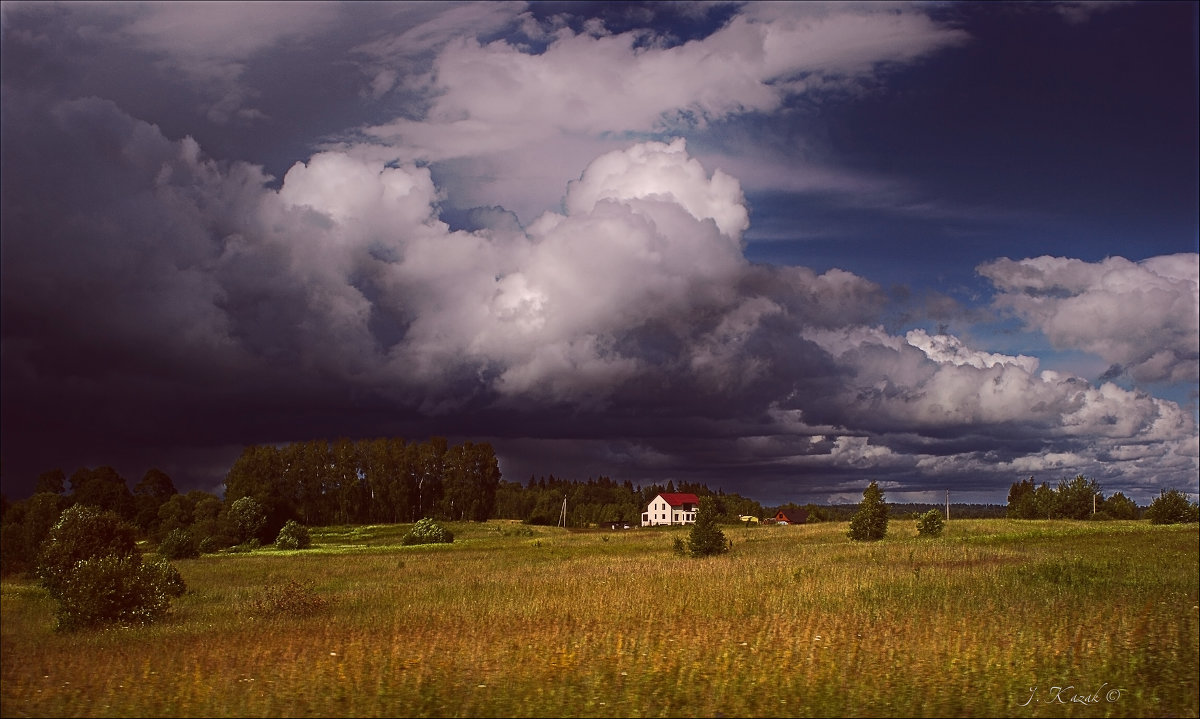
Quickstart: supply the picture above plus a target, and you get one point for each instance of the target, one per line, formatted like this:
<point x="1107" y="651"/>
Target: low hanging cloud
<point x="188" y="301"/>
<point x="1143" y="317"/>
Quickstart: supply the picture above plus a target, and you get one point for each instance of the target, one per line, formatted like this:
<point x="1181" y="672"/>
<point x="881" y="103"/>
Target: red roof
<point x="677" y="498"/>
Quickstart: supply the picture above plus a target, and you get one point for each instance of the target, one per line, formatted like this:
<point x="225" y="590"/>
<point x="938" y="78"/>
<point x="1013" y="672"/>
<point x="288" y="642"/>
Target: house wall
<point x="659" y="512"/>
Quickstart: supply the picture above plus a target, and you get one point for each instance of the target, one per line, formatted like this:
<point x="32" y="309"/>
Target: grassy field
<point x="995" y="618"/>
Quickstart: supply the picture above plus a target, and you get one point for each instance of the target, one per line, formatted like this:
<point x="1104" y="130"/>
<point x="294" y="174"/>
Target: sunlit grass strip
<point x="796" y="621"/>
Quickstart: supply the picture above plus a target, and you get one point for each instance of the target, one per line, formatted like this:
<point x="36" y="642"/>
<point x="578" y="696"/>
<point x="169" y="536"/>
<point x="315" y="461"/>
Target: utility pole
<point x="562" y="517"/>
<point x="947" y="505"/>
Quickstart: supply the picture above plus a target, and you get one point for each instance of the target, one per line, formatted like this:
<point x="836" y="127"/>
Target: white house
<point x="671" y="508"/>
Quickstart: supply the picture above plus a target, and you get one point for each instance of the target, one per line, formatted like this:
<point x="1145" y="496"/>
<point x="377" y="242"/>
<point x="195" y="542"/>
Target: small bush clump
<point x="214" y="543"/>
<point x="83" y="532"/>
<point x="293" y="535"/>
<point x="930" y="524"/>
<point x="91" y="566"/>
<point x="293" y="598"/>
<point x="427" y="531"/>
<point x="247" y="546"/>
<point x="113" y="589"/>
<point x="706" y="538"/>
<point x="178" y="544"/>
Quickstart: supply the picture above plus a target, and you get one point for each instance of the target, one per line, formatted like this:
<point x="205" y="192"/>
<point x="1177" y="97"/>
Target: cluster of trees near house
<point x="322" y="483"/>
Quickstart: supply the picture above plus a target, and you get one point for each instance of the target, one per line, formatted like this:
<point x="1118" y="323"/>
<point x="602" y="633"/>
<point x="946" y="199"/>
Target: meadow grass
<point x="995" y="618"/>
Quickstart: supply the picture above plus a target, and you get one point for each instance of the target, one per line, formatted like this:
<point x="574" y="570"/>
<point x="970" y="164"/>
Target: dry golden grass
<point x="796" y="621"/>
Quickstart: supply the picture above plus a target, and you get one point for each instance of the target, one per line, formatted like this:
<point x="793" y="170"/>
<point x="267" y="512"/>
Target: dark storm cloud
<point x="163" y="306"/>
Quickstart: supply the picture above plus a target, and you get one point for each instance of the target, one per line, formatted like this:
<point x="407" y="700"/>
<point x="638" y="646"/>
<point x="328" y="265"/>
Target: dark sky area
<point x="783" y="249"/>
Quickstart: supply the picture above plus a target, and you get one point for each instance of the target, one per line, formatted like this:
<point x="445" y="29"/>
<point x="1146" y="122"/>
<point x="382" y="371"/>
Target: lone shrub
<point x="294" y="598"/>
<point x="178" y="544"/>
<point x="870" y="521"/>
<point x="116" y="589"/>
<point x="930" y="524"/>
<point x="293" y="535"/>
<point x="92" y="567"/>
<point x="83" y="532"/>
<point x="427" y="531"/>
<point x="1172" y="507"/>
<point x="706" y="537"/>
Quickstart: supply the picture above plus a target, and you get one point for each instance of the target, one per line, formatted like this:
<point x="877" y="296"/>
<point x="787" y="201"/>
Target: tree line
<point x="321" y="483"/>
<point x="391" y="481"/>
<point x="1082" y="498"/>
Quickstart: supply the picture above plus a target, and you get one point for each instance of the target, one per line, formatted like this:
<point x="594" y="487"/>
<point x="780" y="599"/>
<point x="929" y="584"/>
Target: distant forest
<point x="377" y="481"/>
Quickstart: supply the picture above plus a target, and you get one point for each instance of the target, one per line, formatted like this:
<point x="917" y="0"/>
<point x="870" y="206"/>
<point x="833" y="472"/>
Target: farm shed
<point x="791" y="516"/>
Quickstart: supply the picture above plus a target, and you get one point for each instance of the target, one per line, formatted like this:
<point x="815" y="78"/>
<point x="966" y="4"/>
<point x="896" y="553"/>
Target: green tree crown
<point x="870" y="522"/>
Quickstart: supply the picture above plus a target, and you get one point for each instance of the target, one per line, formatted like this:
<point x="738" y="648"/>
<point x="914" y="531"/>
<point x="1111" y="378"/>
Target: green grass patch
<point x="515" y="620"/>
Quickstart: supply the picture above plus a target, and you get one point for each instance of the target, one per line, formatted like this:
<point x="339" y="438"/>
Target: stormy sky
<point x="783" y="249"/>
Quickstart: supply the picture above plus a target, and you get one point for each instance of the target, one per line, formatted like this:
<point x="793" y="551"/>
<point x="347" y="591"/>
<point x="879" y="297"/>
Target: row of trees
<point x="1082" y="498"/>
<point x="1078" y="498"/>
<point x="386" y="480"/>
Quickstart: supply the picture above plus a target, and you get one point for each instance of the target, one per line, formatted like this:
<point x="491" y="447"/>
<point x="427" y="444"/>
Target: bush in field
<point x="930" y="524"/>
<point x="247" y="546"/>
<point x="427" y="531"/>
<point x="178" y="544"/>
<point x="1172" y="507"/>
<point x="706" y="538"/>
<point x="871" y="520"/>
<point x="116" y="589"/>
<point x="293" y="535"/>
<point x="83" y="532"/>
<point x="91" y="566"/>
<point x="294" y="598"/>
<point x="214" y="543"/>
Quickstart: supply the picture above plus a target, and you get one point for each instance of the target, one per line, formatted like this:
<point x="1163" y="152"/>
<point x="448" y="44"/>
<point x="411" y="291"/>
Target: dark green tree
<point x="248" y="518"/>
<point x="1020" y="500"/>
<point x="26" y="525"/>
<point x="706" y="538"/>
<point x="1077" y="497"/>
<point x="154" y="489"/>
<point x="870" y="522"/>
<point x="53" y="481"/>
<point x="1172" y="507"/>
<point x="1045" y="502"/>
<point x="103" y="487"/>
<point x="1119" y="506"/>
<point x="259" y="472"/>
<point x="175" y="513"/>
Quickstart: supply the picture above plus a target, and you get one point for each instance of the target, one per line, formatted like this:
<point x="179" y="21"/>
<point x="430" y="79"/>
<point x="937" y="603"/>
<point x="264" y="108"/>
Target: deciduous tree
<point x="871" y="520"/>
